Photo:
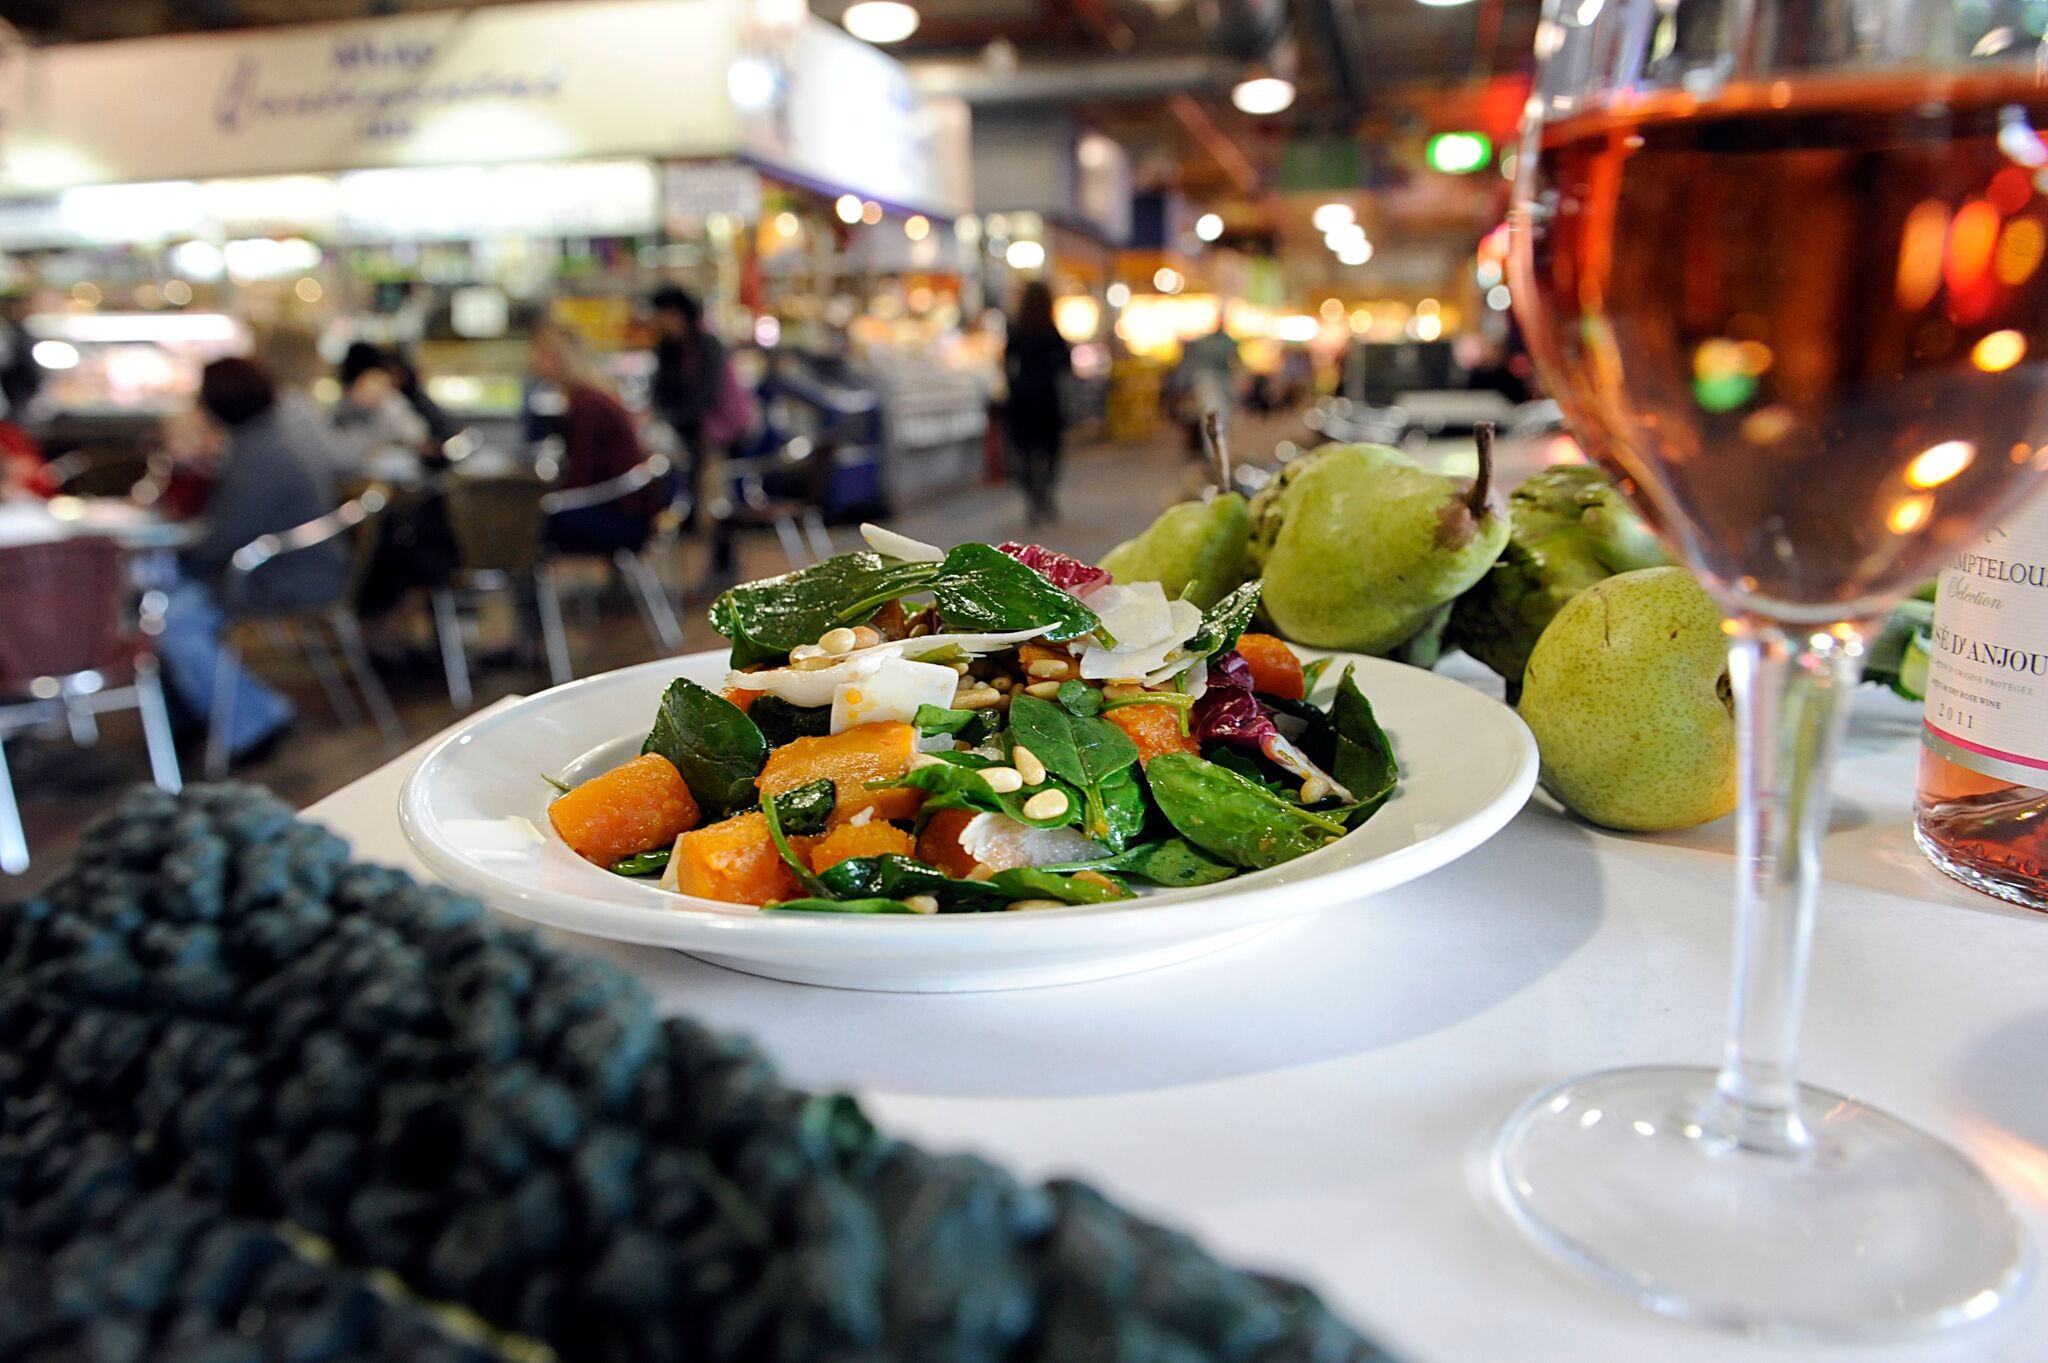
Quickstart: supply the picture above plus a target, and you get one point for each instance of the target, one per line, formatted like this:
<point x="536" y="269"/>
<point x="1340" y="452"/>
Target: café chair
<point x="354" y="518"/>
<point x="100" y="471"/>
<point x="635" y="567"/>
<point x="498" y="523"/>
<point x="775" y="490"/>
<point x="68" y="652"/>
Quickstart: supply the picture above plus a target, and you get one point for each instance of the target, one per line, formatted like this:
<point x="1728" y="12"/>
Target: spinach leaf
<point x="1256" y="770"/>
<point x="766" y="619"/>
<point x="816" y="905"/>
<point x="1231" y="817"/>
<point x="1312" y="673"/>
<point x="1037" y="882"/>
<point x="1079" y="698"/>
<point x="781" y="722"/>
<point x="891" y="876"/>
<point x="713" y="744"/>
<point x="954" y="782"/>
<point x="1173" y="862"/>
<point x="1084" y="752"/>
<point x="1223" y="622"/>
<point x="1364" y="759"/>
<point x="1122" y="808"/>
<point x="979" y="589"/>
<point x="805" y="809"/>
<point x="804" y="876"/>
<point x="968" y="726"/>
<point x="643" y="863"/>
<point x="1078" y="749"/>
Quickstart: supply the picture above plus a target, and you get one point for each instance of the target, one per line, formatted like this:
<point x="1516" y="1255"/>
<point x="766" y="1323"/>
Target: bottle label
<point x="1987" y="671"/>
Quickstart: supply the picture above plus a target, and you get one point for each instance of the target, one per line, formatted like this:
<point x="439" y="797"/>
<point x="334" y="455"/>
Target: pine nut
<point x="1028" y="765"/>
<point x="1121" y="692"/>
<point x="1047" y="804"/>
<point x="804" y="652"/>
<point x="1044" y="690"/>
<point x="1096" y="878"/>
<point x="1050" y="668"/>
<point x="980" y="872"/>
<point x="1026" y="905"/>
<point x="1002" y="683"/>
<point x="919" y="630"/>
<point x="1002" y="780"/>
<point x="960" y="668"/>
<point x="1314" y="789"/>
<point x="921" y="903"/>
<point x="815" y="663"/>
<point x="977" y="698"/>
<point x="924" y="759"/>
<point x="866" y="636"/>
<point x="837" y="642"/>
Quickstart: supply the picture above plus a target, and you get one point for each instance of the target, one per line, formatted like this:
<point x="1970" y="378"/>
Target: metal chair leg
<point x="454" y="662"/>
<point x="349" y="635"/>
<point x="156" y="726"/>
<point x="655" y="607"/>
<point x="553" y="637"/>
<point x="13" y="841"/>
<point x="792" y="542"/>
<point x="817" y="534"/>
<point x="221" y="714"/>
<point x="85" y="729"/>
<point x="346" y="711"/>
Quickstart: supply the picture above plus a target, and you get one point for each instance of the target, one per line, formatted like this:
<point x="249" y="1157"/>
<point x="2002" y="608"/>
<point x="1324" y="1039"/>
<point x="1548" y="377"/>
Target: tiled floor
<point x="1108" y="493"/>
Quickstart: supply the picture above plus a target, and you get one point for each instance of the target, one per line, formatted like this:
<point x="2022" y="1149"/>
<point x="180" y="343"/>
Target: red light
<point x="1972" y="237"/>
<point x="2010" y="190"/>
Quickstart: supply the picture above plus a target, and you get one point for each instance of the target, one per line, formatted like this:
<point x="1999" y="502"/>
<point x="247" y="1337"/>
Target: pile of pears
<point x="1615" y="659"/>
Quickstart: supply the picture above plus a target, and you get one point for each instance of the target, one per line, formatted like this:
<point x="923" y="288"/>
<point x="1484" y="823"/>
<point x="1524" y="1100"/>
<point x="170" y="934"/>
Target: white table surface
<point x="1315" y="1102"/>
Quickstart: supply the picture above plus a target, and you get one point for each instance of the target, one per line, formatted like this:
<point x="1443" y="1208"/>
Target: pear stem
<point x="1482" y="435"/>
<point x="1219" y="448"/>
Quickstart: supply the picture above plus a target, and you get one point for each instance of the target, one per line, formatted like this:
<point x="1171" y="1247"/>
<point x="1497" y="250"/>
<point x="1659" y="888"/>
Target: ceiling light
<point x="1209" y="226"/>
<point x="848" y="208"/>
<point x="1354" y="253"/>
<point x="751" y="82"/>
<point x="1118" y="295"/>
<point x="1297" y="328"/>
<point x="880" y="21"/>
<point x="1332" y="216"/>
<point x="1443" y="4"/>
<point x="917" y="227"/>
<point x="1262" y="95"/>
<point x="1344" y="238"/>
<point x="871" y="212"/>
<point x="1166" y="279"/>
<point x="1025" y="255"/>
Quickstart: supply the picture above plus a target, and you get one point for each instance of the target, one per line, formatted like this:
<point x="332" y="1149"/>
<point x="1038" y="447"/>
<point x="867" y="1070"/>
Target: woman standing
<point x="598" y="443"/>
<point x="1036" y="361"/>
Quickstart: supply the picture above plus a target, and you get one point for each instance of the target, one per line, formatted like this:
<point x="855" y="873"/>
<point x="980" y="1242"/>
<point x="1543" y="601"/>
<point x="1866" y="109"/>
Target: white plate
<point x="475" y="810"/>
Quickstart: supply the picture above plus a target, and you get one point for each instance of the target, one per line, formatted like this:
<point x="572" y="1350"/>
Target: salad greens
<point x="1077" y="784"/>
<point x="712" y="742"/>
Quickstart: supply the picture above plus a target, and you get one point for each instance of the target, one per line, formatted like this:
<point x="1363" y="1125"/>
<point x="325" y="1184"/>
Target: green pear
<point x="1360" y="547"/>
<point x="1628" y="695"/>
<point x="1195" y="547"/>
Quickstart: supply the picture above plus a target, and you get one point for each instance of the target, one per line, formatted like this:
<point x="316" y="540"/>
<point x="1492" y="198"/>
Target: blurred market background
<point x="783" y="242"/>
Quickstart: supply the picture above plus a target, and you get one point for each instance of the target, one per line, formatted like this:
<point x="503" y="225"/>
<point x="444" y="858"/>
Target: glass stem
<point x="1793" y="687"/>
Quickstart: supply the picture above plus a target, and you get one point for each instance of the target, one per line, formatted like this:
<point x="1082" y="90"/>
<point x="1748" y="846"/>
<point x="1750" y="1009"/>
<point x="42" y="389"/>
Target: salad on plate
<point x="992" y="727"/>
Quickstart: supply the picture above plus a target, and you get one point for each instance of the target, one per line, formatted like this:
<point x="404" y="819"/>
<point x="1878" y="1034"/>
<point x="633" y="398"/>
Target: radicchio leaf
<point x="1062" y="570"/>
<point x="1228" y="712"/>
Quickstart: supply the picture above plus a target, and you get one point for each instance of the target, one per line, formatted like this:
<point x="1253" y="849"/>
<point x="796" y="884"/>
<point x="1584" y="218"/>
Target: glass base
<point x="2000" y="884"/>
<point x="1874" y="1229"/>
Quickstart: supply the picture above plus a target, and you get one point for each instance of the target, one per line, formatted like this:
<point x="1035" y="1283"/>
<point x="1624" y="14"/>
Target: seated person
<point x="598" y="443"/>
<point x="263" y="482"/>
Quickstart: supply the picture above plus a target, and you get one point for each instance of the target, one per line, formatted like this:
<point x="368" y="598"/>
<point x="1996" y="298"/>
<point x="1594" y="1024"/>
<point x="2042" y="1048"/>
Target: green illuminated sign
<point x="1458" y="153"/>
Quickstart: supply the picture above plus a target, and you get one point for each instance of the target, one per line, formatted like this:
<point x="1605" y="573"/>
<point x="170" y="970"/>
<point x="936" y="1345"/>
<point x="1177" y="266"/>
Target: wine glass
<point x="1781" y="261"/>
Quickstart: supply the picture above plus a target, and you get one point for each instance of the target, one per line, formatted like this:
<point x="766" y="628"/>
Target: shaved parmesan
<point x="1000" y="843"/>
<point x="887" y="690"/>
<point x="887" y="542"/>
<point x="817" y="686"/>
<point x="1140" y="657"/>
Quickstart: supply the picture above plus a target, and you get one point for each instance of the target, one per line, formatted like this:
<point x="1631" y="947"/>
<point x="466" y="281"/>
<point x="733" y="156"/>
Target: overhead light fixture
<point x="1209" y="226"/>
<point x="848" y="208"/>
<point x="917" y="227"/>
<point x="1262" y="95"/>
<point x="1354" y="253"/>
<point x="1331" y="216"/>
<point x="1025" y="255"/>
<point x="880" y="21"/>
<point x="1166" y="279"/>
<point x="1458" y="153"/>
<point x="1443" y="4"/>
<point x="751" y="82"/>
<point x="1296" y="328"/>
<point x="1117" y="294"/>
<point x="871" y="212"/>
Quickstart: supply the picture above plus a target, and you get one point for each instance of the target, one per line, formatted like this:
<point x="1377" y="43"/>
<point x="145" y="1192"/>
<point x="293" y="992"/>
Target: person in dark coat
<point x="263" y="483"/>
<point x="689" y="375"/>
<point x="1036" y="363"/>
